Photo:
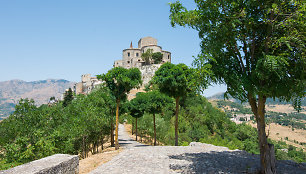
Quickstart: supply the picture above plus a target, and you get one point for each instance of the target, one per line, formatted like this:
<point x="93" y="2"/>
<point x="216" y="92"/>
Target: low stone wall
<point x="55" y="164"/>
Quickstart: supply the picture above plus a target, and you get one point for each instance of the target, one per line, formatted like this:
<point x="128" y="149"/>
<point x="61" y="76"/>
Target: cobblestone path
<point x="197" y="158"/>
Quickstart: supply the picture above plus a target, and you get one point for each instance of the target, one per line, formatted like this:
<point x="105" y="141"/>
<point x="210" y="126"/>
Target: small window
<point x="168" y="56"/>
<point x="138" y="60"/>
<point x="128" y="54"/>
<point x="137" y="54"/>
<point x="128" y="61"/>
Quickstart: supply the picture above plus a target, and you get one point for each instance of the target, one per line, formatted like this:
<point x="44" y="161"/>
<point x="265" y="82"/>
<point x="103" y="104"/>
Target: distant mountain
<point x="220" y="96"/>
<point x="270" y="101"/>
<point x="41" y="91"/>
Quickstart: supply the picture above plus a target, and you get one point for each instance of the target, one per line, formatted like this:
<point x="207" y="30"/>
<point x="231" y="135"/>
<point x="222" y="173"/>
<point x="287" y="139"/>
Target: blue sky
<point x="63" y="39"/>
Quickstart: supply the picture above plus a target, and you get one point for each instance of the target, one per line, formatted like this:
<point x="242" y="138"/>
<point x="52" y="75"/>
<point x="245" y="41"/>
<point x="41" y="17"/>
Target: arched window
<point x="128" y="54"/>
<point x="137" y="54"/>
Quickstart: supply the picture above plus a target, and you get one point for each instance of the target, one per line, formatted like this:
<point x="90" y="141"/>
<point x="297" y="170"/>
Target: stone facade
<point x="86" y="85"/>
<point x="147" y="72"/>
<point x="131" y="57"/>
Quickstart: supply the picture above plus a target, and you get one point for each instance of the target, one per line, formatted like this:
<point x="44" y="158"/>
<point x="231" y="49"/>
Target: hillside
<point x="270" y="101"/>
<point x="284" y="123"/>
<point x="41" y="91"/>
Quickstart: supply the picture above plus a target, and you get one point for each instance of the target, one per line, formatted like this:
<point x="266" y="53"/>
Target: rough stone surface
<point x="55" y="164"/>
<point x="196" y="158"/>
<point x="147" y="72"/>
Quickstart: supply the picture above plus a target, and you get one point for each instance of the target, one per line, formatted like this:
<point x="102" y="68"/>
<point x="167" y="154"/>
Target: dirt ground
<point x="93" y="161"/>
<point x="278" y="133"/>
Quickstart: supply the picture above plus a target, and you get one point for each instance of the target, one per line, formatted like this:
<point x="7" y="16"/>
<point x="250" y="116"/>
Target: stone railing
<point x="55" y="164"/>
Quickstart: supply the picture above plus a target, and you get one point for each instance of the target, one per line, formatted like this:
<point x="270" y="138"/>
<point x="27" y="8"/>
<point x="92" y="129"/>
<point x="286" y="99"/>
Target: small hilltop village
<point x="131" y="58"/>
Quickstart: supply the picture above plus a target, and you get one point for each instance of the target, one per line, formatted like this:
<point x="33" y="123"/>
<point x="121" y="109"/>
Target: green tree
<point x="154" y="103"/>
<point x="157" y="57"/>
<point x="256" y="47"/>
<point x="68" y="97"/>
<point x="175" y="81"/>
<point x="120" y="81"/>
<point x="147" y="56"/>
<point x="137" y="108"/>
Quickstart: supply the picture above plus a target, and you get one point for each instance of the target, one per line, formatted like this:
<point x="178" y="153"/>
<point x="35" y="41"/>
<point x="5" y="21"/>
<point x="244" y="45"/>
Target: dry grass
<point x="283" y="108"/>
<point x="277" y="132"/>
<point x="93" y="161"/>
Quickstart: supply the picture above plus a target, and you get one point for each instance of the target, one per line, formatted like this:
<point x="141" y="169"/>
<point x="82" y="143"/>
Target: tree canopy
<point x="175" y="81"/>
<point x="157" y="57"/>
<point x="256" y="47"/>
<point x="68" y="97"/>
<point x="120" y="81"/>
<point x="147" y="56"/>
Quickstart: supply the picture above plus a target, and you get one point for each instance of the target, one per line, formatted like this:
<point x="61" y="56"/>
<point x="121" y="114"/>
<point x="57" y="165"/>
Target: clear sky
<point x="63" y="39"/>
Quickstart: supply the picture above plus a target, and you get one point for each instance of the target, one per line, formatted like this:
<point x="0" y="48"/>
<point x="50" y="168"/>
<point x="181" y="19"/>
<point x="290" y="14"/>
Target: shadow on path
<point x="226" y="162"/>
<point x="125" y="140"/>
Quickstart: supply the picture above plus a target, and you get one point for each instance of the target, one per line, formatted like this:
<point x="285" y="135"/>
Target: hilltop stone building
<point x="131" y="57"/>
<point x="86" y="85"/>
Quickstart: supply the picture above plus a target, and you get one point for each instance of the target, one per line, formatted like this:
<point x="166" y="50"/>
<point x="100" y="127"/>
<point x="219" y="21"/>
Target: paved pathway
<point x="125" y="141"/>
<point x="198" y="158"/>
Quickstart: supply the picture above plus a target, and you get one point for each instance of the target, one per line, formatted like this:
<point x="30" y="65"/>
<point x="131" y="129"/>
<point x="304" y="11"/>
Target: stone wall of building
<point x="146" y="41"/>
<point x="55" y="164"/>
<point x="131" y="57"/>
<point x="147" y="72"/>
<point x="87" y="84"/>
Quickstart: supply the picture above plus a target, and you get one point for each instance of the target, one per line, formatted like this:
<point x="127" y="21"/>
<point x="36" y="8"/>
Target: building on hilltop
<point x="131" y="57"/>
<point x="86" y="85"/>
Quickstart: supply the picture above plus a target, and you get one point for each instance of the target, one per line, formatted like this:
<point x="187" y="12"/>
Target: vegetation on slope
<point x="200" y="121"/>
<point x="32" y="132"/>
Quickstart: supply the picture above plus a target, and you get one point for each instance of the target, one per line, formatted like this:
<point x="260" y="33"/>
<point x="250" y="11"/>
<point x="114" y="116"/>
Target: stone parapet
<point x="55" y="164"/>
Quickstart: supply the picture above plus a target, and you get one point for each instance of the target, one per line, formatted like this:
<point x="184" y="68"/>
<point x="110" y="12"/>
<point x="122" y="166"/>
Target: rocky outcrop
<point x="147" y="72"/>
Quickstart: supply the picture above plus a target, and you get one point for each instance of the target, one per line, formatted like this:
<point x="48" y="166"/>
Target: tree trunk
<point x="97" y="146"/>
<point x="132" y="127"/>
<point x="176" y="119"/>
<point x="102" y="142"/>
<point x="154" y="129"/>
<point x="140" y="136"/>
<point x="267" y="156"/>
<point x="83" y="147"/>
<point x="136" y="129"/>
<point x="117" y="125"/>
<point x="112" y="133"/>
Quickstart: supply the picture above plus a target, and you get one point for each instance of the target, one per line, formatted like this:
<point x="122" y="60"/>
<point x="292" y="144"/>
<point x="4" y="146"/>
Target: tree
<point x="120" y="81"/>
<point x="147" y="56"/>
<point x="137" y="108"/>
<point x="68" y="97"/>
<point x="157" y="57"/>
<point x="153" y="102"/>
<point x="256" y="47"/>
<point x="175" y="81"/>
